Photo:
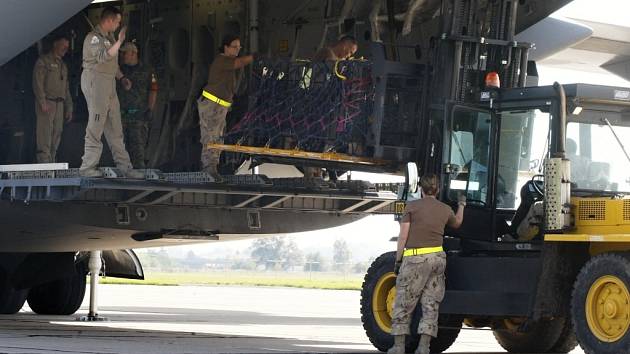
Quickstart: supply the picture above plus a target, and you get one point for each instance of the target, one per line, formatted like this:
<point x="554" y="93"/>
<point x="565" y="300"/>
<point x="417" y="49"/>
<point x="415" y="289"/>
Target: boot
<point x="214" y="173"/>
<point x="90" y="172"/>
<point x="399" y="345"/>
<point x="423" y="346"/>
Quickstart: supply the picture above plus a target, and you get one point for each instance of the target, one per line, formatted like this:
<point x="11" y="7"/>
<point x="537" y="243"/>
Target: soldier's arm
<point x="243" y="61"/>
<point x="455" y="221"/>
<point x="39" y="77"/>
<point x="402" y="240"/>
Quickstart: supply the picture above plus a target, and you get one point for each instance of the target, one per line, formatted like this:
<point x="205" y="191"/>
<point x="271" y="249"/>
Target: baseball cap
<point x="129" y="46"/>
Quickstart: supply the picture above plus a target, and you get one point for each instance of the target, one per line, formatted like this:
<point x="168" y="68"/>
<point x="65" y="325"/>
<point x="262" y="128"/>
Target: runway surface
<point x="208" y="319"/>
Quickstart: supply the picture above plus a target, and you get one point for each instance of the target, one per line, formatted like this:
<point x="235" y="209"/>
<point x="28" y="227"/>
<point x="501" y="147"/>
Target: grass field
<point x="288" y="279"/>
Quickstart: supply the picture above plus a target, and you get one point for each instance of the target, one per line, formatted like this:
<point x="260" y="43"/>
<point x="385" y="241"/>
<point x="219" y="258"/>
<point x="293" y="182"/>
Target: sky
<point x="614" y="12"/>
<point x="369" y="237"/>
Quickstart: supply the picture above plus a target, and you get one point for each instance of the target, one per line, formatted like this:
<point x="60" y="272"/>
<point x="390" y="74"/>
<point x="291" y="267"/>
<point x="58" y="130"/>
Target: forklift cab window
<point x="469" y="155"/>
<point x="598" y="161"/>
<point x="523" y="141"/>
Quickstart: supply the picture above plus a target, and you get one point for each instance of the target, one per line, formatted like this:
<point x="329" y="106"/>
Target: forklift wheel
<point x="377" y="301"/>
<point x="545" y="336"/>
<point x="601" y="304"/>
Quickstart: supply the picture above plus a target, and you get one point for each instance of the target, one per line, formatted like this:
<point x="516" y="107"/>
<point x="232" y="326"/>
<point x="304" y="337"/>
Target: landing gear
<point x="59" y="297"/>
<point x="600" y="304"/>
<point x="11" y="299"/>
<point x="94" y="266"/>
<point x="377" y="301"/>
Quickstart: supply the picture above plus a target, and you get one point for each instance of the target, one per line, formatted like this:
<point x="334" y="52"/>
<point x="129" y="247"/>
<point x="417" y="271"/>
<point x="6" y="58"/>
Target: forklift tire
<point x="567" y="341"/>
<point x="544" y="336"/>
<point x="11" y="299"/>
<point x="377" y="300"/>
<point x="600" y="305"/>
<point x="58" y="297"/>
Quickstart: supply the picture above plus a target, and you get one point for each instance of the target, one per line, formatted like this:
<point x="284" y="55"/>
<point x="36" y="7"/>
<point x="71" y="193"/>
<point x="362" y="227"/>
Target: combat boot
<point x="399" y="345"/>
<point x="423" y="346"/>
<point x="214" y="173"/>
<point x="133" y="174"/>
<point x="90" y="172"/>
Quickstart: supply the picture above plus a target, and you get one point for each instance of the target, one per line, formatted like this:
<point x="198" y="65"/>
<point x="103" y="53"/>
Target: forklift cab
<point x="493" y="153"/>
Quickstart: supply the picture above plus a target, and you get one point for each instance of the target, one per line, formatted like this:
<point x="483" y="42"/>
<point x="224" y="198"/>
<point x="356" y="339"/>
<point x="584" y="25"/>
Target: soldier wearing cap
<point x="136" y="103"/>
<point x="53" y="101"/>
<point x="98" y="83"/>
<point x="216" y="99"/>
<point x="422" y="262"/>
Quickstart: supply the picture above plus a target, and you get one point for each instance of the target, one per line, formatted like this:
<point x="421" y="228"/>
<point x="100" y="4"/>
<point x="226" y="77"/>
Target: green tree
<point x="341" y="255"/>
<point x="276" y="253"/>
<point x="314" y="262"/>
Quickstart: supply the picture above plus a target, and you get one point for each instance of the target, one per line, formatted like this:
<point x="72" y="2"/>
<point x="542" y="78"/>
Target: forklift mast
<point x="474" y="53"/>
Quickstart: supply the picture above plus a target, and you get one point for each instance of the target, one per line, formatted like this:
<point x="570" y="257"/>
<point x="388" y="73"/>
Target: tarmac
<point x="209" y="319"/>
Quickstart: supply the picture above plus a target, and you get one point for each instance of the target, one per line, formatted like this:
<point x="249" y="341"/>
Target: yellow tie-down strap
<point x="419" y="251"/>
<point x="322" y="156"/>
<point x="216" y="99"/>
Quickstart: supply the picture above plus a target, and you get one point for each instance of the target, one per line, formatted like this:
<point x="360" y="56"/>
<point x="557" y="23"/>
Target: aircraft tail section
<point x="27" y="21"/>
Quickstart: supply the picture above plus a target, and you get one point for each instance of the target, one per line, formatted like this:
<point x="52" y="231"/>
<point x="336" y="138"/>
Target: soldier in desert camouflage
<point x="422" y="261"/>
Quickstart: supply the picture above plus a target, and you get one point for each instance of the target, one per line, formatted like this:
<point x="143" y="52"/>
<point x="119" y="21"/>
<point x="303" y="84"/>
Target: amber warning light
<point x="492" y="80"/>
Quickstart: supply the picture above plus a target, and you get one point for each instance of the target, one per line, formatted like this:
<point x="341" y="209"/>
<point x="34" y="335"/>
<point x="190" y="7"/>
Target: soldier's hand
<point x="68" y="117"/>
<point x="122" y="34"/>
<point x="397" y="267"/>
<point x="126" y="83"/>
<point x="461" y="200"/>
<point x="45" y="107"/>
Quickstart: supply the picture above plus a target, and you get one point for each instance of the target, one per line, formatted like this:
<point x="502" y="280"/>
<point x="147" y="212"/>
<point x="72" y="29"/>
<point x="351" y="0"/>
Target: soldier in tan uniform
<point x="345" y="48"/>
<point x="53" y="101"/>
<point x="98" y="83"/>
<point x="216" y="99"/>
<point x="422" y="262"/>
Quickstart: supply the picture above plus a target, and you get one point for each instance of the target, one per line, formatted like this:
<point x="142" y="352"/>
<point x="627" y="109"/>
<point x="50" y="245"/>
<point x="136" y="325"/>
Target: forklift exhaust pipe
<point x="560" y="125"/>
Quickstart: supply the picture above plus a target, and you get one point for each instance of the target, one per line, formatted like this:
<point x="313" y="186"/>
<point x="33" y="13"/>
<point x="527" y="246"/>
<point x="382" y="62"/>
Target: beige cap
<point x="129" y="46"/>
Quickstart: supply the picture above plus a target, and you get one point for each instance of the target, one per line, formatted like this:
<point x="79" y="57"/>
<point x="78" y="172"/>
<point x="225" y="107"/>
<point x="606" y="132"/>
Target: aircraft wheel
<point x="58" y="297"/>
<point x="600" y="305"/>
<point x="377" y="302"/>
<point x="544" y="336"/>
<point x="11" y="300"/>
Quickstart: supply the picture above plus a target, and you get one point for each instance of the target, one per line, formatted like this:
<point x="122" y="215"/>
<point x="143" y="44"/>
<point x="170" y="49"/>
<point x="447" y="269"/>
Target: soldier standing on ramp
<point x="98" y="83"/>
<point x="422" y="262"/>
<point x="216" y="99"/>
<point x="53" y="101"/>
<point x="136" y="103"/>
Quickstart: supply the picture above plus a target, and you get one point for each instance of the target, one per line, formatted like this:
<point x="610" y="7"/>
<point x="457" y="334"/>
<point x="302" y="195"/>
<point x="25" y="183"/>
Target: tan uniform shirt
<point x="95" y="56"/>
<point x="428" y="217"/>
<point x="223" y="79"/>
<point x="325" y="53"/>
<point x="50" y="81"/>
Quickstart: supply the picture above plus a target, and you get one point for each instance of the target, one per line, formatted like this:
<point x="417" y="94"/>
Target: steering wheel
<point x="476" y="202"/>
<point x="536" y="184"/>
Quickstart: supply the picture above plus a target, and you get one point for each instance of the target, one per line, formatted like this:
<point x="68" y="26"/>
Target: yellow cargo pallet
<point x="300" y="154"/>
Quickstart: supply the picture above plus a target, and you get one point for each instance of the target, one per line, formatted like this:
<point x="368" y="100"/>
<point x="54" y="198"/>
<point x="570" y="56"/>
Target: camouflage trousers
<point x="136" y="133"/>
<point x="212" y="126"/>
<point x="421" y="278"/>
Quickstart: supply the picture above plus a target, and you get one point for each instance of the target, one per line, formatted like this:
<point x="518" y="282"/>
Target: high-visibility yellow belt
<point x="216" y="99"/>
<point x="419" y="251"/>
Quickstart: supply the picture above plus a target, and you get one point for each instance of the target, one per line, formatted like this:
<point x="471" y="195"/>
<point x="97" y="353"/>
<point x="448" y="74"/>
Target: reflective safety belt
<point x="216" y="99"/>
<point x="424" y="250"/>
